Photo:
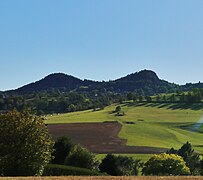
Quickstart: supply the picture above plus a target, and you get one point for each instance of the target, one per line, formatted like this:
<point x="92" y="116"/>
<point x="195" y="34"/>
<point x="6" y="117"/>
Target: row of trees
<point x="193" y="96"/>
<point x="56" y="101"/>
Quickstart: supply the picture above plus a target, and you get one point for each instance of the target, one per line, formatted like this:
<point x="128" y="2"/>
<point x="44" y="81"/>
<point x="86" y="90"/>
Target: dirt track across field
<point x="99" y="138"/>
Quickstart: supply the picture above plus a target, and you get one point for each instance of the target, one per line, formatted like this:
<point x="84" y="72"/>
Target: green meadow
<point x="147" y="124"/>
<point x="143" y="157"/>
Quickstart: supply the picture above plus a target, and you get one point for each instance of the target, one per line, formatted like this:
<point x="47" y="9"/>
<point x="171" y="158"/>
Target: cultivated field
<point x="147" y="124"/>
<point x="99" y="137"/>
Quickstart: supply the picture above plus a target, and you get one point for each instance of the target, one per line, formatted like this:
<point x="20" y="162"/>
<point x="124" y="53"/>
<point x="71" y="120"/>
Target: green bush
<point x="120" y="165"/>
<point x="62" y="170"/>
<point x="81" y="157"/>
<point x="62" y="149"/>
<point x="165" y="165"/>
<point x="191" y="158"/>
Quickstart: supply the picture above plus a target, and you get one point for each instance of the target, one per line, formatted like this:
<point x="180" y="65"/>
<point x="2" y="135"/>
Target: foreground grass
<point x="106" y="178"/>
<point x="156" y="125"/>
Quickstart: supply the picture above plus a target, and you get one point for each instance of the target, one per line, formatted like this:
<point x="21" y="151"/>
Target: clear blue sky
<point x="100" y="39"/>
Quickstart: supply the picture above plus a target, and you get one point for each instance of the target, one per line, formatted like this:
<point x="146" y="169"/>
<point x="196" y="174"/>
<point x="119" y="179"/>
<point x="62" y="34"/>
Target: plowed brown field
<point x="99" y="137"/>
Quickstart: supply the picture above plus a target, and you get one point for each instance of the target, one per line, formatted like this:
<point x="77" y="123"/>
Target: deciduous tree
<point x="25" y="144"/>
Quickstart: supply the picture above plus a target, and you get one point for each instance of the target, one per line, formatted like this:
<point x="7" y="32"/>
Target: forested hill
<point x="52" y="81"/>
<point x="144" y="82"/>
<point x="58" y="92"/>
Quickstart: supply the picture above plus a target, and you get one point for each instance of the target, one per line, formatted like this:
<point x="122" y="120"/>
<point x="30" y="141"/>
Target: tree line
<point x="57" y="101"/>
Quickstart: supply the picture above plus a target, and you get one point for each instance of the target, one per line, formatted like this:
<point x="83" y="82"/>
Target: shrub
<point x="62" y="148"/>
<point x="108" y="165"/>
<point x="165" y="164"/>
<point x="81" y="157"/>
<point x="119" y="111"/>
<point x="119" y="165"/>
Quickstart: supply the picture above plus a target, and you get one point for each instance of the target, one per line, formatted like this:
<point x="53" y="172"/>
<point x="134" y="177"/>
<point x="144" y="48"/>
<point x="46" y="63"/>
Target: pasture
<point x="146" y="124"/>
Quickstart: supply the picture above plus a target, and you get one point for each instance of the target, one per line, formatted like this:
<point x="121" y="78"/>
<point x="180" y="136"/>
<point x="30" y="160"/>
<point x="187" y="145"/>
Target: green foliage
<point x="191" y="158"/>
<point x="165" y="165"/>
<point x="71" y="108"/>
<point x="62" y="170"/>
<point x="62" y="148"/>
<point x="130" y="96"/>
<point x="74" y="155"/>
<point x="186" y="151"/>
<point x="81" y="157"/>
<point x="142" y="157"/>
<point x="148" y="99"/>
<point x="172" y="151"/>
<point x="108" y="165"/>
<point x="119" y="111"/>
<point x="119" y="165"/>
<point x="25" y="144"/>
<point x="201" y="167"/>
<point x="193" y="96"/>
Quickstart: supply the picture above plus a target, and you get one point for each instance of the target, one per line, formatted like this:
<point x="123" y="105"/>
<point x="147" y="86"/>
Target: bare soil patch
<point x="100" y="138"/>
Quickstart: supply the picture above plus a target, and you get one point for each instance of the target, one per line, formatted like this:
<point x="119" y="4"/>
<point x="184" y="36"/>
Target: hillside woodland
<point x="59" y="93"/>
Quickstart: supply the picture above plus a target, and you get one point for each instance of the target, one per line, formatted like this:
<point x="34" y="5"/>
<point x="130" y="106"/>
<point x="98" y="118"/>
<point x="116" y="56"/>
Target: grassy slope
<point x="155" y="124"/>
<point x="81" y="116"/>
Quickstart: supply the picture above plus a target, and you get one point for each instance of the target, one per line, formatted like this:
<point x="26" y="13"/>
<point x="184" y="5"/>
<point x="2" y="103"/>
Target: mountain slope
<point x="56" y="80"/>
<point x="144" y="75"/>
<point x="145" y="81"/>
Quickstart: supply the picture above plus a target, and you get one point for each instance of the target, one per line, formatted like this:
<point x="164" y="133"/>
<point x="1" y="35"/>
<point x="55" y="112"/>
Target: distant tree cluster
<point x="56" y="101"/>
<point x="193" y="96"/>
<point x="119" y="112"/>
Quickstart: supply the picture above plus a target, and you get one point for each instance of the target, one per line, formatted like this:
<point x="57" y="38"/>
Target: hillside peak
<point x="59" y="76"/>
<point x="141" y="75"/>
<point x="145" y="79"/>
<point x="54" y="80"/>
<point x="148" y="74"/>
